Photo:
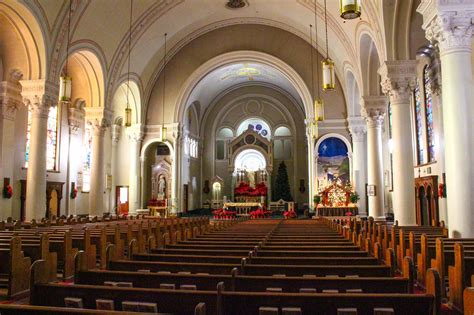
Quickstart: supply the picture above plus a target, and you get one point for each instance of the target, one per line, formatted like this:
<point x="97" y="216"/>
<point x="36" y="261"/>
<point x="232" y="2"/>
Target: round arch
<point x="244" y="56"/>
<point x="29" y="54"/>
<point x="119" y="101"/>
<point x="86" y="69"/>
<point x="333" y="135"/>
<point x="268" y="159"/>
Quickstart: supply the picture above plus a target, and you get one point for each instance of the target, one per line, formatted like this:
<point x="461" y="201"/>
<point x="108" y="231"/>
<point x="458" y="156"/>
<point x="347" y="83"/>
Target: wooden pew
<point x="36" y="247"/>
<point x="435" y="252"/>
<point x="319" y="270"/>
<point x="459" y="275"/>
<point x="180" y="302"/>
<point x="15" y="309"/>
<point x="14" y="269"/>
<point x="230" y="303"/>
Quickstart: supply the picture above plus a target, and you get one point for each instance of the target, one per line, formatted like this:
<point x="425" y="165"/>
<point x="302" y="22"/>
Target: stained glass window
<point x="51" y="139"/>
<point x="429" y="114"/>
<point x="86" y="170"/>
<point x="419" y="123"/>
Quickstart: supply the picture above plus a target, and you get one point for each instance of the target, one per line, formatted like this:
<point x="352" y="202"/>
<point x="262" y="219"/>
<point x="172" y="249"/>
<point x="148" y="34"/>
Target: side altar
<point x="335" y="200"/>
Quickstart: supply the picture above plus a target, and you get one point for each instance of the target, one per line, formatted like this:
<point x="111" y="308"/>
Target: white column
<point x="398" y="81"/>
<point x="39" y="95"/>
<point x="374" y="110"/>
<point x="76" y="115"/>
<point x="97" y="190"/>
<point x="450" y="25"/>
<point x="176" y="198"/>
<point x="135" y="135"/>
<point x="10" y="101"/>
<point x="115" y="137"/>
<point x="312" y="185"/>
<point x="358" y="130"/>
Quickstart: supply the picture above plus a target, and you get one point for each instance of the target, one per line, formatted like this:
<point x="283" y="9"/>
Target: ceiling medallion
<point x="236" y="4"/>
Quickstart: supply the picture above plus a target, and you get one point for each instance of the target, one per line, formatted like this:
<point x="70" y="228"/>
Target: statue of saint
<point x="161" y="188"/>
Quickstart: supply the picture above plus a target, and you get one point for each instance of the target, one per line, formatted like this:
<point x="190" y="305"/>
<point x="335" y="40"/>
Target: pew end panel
<point x="468" y="296"/>
<point x="433" y="287"/>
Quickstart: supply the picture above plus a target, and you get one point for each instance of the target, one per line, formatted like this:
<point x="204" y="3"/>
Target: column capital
<point x="357" y="128"/>
<point x="374" y="109"/>
<point x="10" y="98"/>
<point x="175" y="130"/>
<point x="449" y="23"/>
<point x="39" y="96"/>
<point x="75" y="115"/>
<point x="99" y="118"/>
<point x="115" y="132"/>
<point x="135" y="133"/>
<point x="398" y="79"/>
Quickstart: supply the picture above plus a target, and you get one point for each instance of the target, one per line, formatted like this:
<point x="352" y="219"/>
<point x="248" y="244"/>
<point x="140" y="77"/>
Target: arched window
<point x="256" y="124"/>
<point x="282" y="132"/>
<point x="51" y="138"/>
<point x="419" y="123"/>
<point x="282" y="144"/>
<point x="86" y="168"/>
<point x="429" y="113"/>
<point x="223" y="135"/>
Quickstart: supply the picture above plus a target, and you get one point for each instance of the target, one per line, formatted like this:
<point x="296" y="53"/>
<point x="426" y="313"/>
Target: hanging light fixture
<point x="329" y="78"/>
<point x="128" y="110"/>
<point x="65" y="82"/>
<point x="318" y="102"/>
<point x="163" y="128"/>
<point x="350" y="9"/>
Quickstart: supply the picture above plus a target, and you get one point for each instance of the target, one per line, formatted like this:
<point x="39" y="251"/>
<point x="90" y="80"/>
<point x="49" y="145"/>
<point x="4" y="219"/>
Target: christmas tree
<point x="282" y="186"/>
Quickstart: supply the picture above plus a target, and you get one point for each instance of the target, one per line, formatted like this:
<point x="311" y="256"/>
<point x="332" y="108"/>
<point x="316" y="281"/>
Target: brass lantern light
<point x="128" y="110"/>
<point x="65" y="81"/>
<point x="329" y="78"/>
<point x="65" y="88"/>
<point x="350" y="9"/>
<point x="319" y="110"/>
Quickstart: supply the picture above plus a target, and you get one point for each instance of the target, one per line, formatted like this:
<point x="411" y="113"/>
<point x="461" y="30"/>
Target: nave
<point x="270" y="266"/>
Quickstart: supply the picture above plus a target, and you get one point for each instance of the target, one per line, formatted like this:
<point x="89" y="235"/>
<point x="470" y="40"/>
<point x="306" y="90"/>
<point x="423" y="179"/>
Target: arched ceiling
<point x="184" y="20"/>
<point x="220" y="80"/>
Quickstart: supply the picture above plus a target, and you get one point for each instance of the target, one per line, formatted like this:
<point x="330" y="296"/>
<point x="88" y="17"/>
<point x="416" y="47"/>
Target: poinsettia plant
<point x="7" y="191"/>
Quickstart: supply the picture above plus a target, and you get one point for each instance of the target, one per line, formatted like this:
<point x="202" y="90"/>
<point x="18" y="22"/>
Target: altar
<point x="337" y="211"/>
<point x="242" y="208"/>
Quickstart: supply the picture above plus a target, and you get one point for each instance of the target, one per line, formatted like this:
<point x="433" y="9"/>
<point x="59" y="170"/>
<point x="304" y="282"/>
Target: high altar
<point x="250" y="162"/>
<point x="335" y="201"/>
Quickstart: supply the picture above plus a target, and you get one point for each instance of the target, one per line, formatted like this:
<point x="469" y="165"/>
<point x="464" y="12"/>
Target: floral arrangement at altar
<point x="244" y="189"/>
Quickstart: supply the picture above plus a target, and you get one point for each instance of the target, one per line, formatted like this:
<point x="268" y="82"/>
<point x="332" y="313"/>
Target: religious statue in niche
<point x="161" y="188"/>
<point x="333" y="163"/>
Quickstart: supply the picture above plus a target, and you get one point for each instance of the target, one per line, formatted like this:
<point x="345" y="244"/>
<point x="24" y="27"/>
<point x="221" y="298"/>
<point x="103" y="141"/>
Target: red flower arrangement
<point x="7" y="191"/>
<point x="73" y="194"/>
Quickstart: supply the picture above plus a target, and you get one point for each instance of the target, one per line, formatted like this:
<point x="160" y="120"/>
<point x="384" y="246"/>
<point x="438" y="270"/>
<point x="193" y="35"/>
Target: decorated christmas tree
<point x="282" y="186"/>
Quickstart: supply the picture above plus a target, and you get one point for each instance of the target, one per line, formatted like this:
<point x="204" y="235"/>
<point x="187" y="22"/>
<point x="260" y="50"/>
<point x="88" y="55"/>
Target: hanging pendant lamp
<point x="163" y="128"/>
<point x="318" y="102"/>
<point x="350" y="9"/>
<point x="329" y="78"/>
<point x="65" y="81"/>
<point x="128" y="110"/>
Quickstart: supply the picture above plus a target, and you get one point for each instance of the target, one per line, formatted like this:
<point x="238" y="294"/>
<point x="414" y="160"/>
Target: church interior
<point x="272" y="157"/>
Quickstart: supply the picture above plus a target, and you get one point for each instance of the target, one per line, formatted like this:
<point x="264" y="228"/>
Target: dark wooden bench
<point x="230" y="303"/>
